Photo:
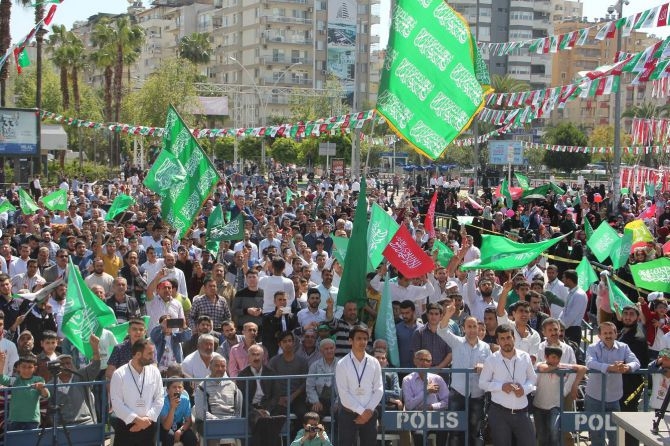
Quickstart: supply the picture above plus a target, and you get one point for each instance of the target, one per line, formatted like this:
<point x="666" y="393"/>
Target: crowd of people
<point x="223" y="327"/>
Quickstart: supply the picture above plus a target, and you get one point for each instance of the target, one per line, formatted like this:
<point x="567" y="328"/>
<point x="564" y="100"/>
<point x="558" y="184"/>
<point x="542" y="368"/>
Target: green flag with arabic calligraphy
<point x="232" y="231"/>
<point x="434" y="79"/>
<point x="7" y="206"/>
<point x="56" y="201"/>
<point x="381" y="229"/>
<point x="603" y="241"/>
<point x="28" y="205"/>
<point x="119" y="205"/>
<point x="653" y="275"/>
<point x="215" y="219"/>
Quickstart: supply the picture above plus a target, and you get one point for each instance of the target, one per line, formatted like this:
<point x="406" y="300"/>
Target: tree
<point x="57" y="48"/>
<point x="566" y="134"/>
<point x="77" y="58"/>
<point x="603" y="136"/>
<point x="535" y="158"/>
<point x="39" y="42"/>
<point x="322" y="106"/>
<point x="196" y="47"/>
<point x="224" y="148"/>
<point x="508" y="84"/>
<point x="249" y="148"/>
<point x="5" y="41"/>
<point x="25" y="86"/>
<point x="284" y="150"/>
<point x="104" y="58"/>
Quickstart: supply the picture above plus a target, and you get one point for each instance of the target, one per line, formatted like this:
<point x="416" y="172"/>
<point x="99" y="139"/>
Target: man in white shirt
<point x="162" y="304"/>
<point x="8" y="348"/>
<point x="197" y="363"/>
<point x="556" y="287"/>
<point x="271" y="284"/>
<point x="136" y="392"/>
<point x="30" y="280"/>
<point x="269" y="240"/>
<point x="310" y="317"/>
<point x="404" y="290"/>
<point x="20" y="265"/>
<point x="239" y="246"/>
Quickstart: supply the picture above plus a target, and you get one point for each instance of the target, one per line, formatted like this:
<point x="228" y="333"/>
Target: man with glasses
<point x="58" y="270"/>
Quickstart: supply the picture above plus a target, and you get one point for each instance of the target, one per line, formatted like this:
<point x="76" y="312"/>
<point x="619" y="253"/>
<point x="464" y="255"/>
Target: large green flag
<point x="433" y="79"/>
<point x="504" y="190"/>
<point x="289" y="195"/>
<point x="120" y="331"/>
<point x="120" y="204"/>
<point x="543" y="190"/>
<point x="182" y="200"/>
<point x="653" y="275"/>
<point x="617" y="296"/>
<point x="84" y="314"/>
<point x="56" y="201"/>
<point x="385" y="325"/>
<point x="28" y="205"/>
<point x="523" y="180"/>
<point x="215" y="219"/>
<point x="7" y="206"/>
<point x="585" y="274"/>
<point x="232" y="231"/>
<point x="166" y="174"/>
<point x="588" y="229"/>
<point x="621" y="249"/>
<point x="340" y="246"/>
<point x="502" y="253"/>
<point x="353" y="284"/>
<point x="444" y="253"/>
<point x="602" y="241"/>
<point x="381" y="230"/>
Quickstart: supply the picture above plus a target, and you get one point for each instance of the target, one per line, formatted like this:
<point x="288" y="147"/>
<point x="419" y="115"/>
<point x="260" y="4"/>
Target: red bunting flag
<point x="408" y="258"/>
<point x="663" y="16"/>
<point x="50" y="15"/>
<point x="430" y="217"/>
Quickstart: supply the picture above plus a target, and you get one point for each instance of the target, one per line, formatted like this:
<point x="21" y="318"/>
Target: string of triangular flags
<point x="19" y="49"/>
<point x="633" y="150"/>
<point x="648" y="130"/>
<point x="651" y="18"/>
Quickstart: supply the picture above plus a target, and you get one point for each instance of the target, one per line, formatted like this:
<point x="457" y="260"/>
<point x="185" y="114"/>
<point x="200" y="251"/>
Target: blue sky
<point x="72" y="10"/>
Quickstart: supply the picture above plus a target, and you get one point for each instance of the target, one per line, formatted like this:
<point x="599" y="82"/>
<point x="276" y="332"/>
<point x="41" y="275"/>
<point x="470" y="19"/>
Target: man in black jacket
<point x="124" y="306"/>
<point x="276" y="322"/>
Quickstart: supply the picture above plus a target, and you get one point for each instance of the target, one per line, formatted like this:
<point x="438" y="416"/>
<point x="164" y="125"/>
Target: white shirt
<point x="530" y="344"/>
<point x="18" y="266"/>
<point x="136" y="395"/>
<point x="547" y="395"/>
<point x="58" y="310"/>
<point x="306" y="317"/>
<point x="270" y="285"/>
<point x="157" y="307"/>
<point x="254" y="248"/>
<point x="561" y="291"/>
<point x="12" y="356"/>
<point x="194" y="366"/>
<point x="151" y="269"/>
<point x="499" y="370"/>
<point x="416" y="294"/>
<point x="359" y="383"/>
<point x="23" y="282"/>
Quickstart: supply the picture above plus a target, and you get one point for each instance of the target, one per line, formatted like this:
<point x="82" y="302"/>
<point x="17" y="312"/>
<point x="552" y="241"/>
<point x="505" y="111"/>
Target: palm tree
<point x="57" y="47"/>
<point x="77" y="59"/>
<point x="39" y="41"/>
<point x="104" y="58"/>
<point x="197" y="48"/>
<point x="5" y="41"/>
<point x="508" y="84"/>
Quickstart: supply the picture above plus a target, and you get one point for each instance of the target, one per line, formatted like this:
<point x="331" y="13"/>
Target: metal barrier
<point x="390" y="422"/>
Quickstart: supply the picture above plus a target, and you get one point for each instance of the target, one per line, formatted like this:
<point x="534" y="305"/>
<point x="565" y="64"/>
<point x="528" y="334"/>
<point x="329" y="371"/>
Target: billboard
<point x="341" y="45"/>
<point x="338" y="167"/>
<point x="506" y="152"/>
<point x="19" y="130"/>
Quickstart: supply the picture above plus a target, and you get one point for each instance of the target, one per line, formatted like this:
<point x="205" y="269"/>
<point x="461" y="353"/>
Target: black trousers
<point x="123" y="436"/>
<point x="348" y="431"/>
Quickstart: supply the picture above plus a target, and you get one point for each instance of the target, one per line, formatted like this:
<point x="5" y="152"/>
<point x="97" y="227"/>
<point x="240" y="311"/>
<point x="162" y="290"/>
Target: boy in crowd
<point x="24" y="411"/>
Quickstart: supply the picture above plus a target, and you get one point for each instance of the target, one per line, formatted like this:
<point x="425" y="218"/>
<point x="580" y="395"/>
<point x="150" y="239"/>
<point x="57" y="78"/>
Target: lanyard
<point x="139" y="390"/>
<point x="359" y="377"/>
<point x="513" y="372"/>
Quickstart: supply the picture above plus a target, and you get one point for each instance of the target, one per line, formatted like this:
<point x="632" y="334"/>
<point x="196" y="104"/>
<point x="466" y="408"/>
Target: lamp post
<point x="263" y="104"/>
<point x="616" y="168"/>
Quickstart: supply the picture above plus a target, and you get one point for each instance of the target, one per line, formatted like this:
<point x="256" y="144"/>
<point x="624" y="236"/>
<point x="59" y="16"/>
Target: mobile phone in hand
<point x="175" y="323"/>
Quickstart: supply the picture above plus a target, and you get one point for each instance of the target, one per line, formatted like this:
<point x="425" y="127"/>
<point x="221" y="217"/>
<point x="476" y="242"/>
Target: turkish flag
<point x="430" y="217"/>
<point x="408" y="258"/>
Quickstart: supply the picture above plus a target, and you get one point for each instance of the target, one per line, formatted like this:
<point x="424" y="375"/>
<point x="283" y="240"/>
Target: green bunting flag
<point x="340" y="245"/>
<point x="215" y="219"/>
<point x="503" y="254"/>
<point x="7" y="206"/>
<point x="434" y="79"/>
<point x="621" y="249"/>
<point x="181" y="200"/>
<point x="602" y="241"/>
<point x="56" y="201"/>
<point x="504" y="190"/>
<point x="617" y="296"/>
<point x="119" y="205"/>
<point x="523" y="180"/>
<point x="353" y="284"/>
<point x="23" y="60"/>
<point x="28" y="206"/>
<point x="289" y="195"/>
<point x="381" y="230"/>
<point x="444" y="253"/>
<point x="653" y="275"/>
<point x="385" y="326"/>
<point x="585" y="274"/>
<point x="232" y="231"/>
<point x="120" y="331"/>
<point x="588" y="229"/>
<point x="84" y="314"/>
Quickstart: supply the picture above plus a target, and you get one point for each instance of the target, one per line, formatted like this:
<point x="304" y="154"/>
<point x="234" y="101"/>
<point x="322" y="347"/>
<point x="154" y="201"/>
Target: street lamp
<point x="263" y="103"/>
<point x="616" y="168"/>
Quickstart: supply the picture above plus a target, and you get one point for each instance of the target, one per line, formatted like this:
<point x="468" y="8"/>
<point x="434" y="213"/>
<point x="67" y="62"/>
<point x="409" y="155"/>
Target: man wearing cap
<point x="165" y="304"/>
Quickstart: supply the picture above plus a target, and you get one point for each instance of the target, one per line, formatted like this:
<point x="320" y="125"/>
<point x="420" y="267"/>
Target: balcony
<point x="284" y="80"/>
<point x="299" y="2"/>
<point x="289" y="41"/>
<point x="284" y="60"/>
<point x="267" y="20"/>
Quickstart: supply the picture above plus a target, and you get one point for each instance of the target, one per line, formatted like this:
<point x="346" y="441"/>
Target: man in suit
<point x="259" y="406"/>
<point x="58" y="270"/>
<point x="276" y="322"/>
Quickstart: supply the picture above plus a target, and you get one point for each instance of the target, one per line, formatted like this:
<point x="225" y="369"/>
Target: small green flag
<point x="588" y="229"/>
<point x="621" y="249"/>
<point x="353" y="285"/>
<point x="289" y="195"/>
<point x="602" y="241"/>
<point x="381" y="229"/>
<point x="585" y="274"/>
<point x="340" y="245"/>
<point x="120" y="331"/>
<point x="617" y="296"/>
<point x="502" y="253"/>
<point x="7" y="206"/>
<point x="56" y="201"/>
<point x="23" y="60"/>
<point x="167" y="174"/>
<point x="523" y="180"/>
<point x="28" y="205"/>
<point x="232" y="231"/>
<point x="385" y="326"/>
<point x="434" y="80"/>
<point x="84" y="314"/>
<point x="504" y="190"/>
<point x="444" y="253"/>
<point x="119" y="205"/>
<point x="653" y="275"/>
<point x="215" y="219"/>
<point x="624" y="191"/>
<point x="650" y="189"/>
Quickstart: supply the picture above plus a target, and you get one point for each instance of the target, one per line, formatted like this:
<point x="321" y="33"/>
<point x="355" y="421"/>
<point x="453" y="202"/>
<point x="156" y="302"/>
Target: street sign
<point x="327" y="149"/>
<point x="506" y="152"/>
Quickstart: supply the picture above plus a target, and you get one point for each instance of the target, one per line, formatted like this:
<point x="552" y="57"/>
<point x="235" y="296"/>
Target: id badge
<point x="360" y="391"/>
<point x="140" y="403"/>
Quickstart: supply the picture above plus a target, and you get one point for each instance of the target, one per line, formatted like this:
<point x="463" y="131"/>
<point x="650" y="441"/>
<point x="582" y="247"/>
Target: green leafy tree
<point x="603" y="136"/>
<point x="57" y="49"/>
<point x="224" y="148"/>
<point x="39" y="44"/>
<point x="25" y="90"/>
<point x="566" y="134"/>
<point x="249" y="148"/>
<point x="318" y="106"/>
<point x="535" y="158"/>
<point x="196" y="47"/>
<point x="104" y="58"/>
<point x="284" y="150"/>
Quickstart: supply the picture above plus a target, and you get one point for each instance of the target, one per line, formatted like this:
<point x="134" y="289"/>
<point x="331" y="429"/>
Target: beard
<point x="486" y="293"/>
